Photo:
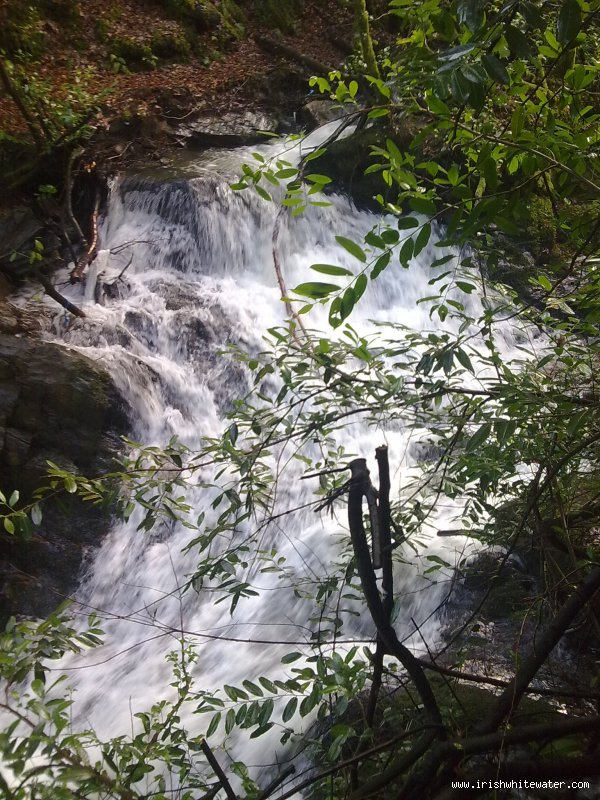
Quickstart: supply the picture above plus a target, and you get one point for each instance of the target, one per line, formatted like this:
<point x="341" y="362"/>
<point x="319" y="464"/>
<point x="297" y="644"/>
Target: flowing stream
<point x="199" y="276"/>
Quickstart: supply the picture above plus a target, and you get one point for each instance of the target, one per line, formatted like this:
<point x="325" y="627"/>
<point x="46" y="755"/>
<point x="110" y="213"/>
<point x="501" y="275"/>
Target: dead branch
<point x="277" y="781"/>
<point x="68" y="196"/>
<point x="120" y="275"/>
<point x="89" y="255"/>
<point x="277" y="263"/>
<point x="210" y="757"/>
<point x="51" y="292"/>
<point x="359" y="487"/>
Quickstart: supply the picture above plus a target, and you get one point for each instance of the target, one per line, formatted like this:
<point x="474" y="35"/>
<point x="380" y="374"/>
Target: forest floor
<point x="77" y="61"/>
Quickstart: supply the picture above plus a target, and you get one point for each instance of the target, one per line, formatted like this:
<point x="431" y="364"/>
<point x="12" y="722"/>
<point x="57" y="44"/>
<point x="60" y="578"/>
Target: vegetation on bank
<point x="507" y="140"/>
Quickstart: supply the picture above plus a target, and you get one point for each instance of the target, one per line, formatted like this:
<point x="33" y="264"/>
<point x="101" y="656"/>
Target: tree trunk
<point x="363" y="31"/>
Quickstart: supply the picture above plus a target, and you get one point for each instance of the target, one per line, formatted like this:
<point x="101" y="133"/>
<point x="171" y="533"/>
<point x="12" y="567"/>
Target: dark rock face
<point x="507" y="586"/>
<point x="55" y="405"/>
<point x="346" y="160"/>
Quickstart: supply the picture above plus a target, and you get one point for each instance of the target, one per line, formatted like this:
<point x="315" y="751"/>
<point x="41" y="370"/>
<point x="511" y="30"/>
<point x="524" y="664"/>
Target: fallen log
<point x="279" y="48"/>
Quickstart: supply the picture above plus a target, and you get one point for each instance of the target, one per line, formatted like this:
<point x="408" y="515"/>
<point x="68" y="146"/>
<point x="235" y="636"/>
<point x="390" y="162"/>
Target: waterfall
<point x="187" y="269"/>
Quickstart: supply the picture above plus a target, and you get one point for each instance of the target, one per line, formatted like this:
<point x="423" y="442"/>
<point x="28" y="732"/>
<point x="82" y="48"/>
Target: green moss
<point x="171" y="46"/>
<point x="136" y="55"/>
<point x="543" y="224"/>
<point x="205" y="16"/>
<point x="280" y="14"/>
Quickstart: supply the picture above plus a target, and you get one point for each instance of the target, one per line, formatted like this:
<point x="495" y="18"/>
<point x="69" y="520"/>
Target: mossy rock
<point x="463" y="706"/>
<point x="205" y="16"/>
<point x="136" y="55"/>
<point x="508" y="588"/>
<point x="171" y="46"/>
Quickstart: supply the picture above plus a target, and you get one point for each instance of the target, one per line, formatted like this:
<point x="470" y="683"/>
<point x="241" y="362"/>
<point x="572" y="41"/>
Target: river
<point x="196" y="275"/>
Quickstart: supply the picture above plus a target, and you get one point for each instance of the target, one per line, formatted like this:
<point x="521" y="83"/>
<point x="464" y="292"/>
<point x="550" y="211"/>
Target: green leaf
<point x="422" y="205"/>
<point x="470" y="12"/>
<point x="459" y="86"/>
<point x="348" y="302"/>
<point x="517" y="42"/>
<point x="262" y="729"/>
<point x="286" y="172"/>
<point x="463" y="358"/>
<point x="569" y="22"/>
<point x="229" y="721"/>
<point x="231" y="692"/>
<point x="252" y="688"/>
<point x="437" y="106"/>
<point x="494" y="68"/>
<point x="290" y="657"/>
<point x="406" y="252"/>
<point x="330" y="269"/>
<point x="70" y="484"/>
<point x="214" y="724"/>
<point x="466" y="287"/>
<point x="438" y="560"/>
<point x="517" y="121"/>
<point x="422" y="239"/>
<point x="268" y="684"/>
<point x="380" y="265"/>
<point x="360" y="286"/>
<point x="263" y="193"/>
<point x="353" y="248"/>
<point x="36" y="514"/>
<point x="319" y="179"/>
<point x="404" y="223"/>
<point x="289" y="710"/>
<point x="315" y="154"/>
<point x="390" y="236"/>
<point x="479" y="437"/>
<point x="316" y="290"/>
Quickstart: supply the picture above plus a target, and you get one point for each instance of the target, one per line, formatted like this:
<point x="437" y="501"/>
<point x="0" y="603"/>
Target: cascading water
<point x="196" y="267"/>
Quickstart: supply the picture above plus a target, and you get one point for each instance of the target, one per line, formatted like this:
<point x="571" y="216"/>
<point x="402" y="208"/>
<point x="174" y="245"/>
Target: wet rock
<point x="508" y="586"/>
<point x="55" y="405"/>
<point x="17" y="320"/>
<point x="319" y="112"/>
<point x="346" y="160"/>
<point x="19" y="228"/>
<point x="227" y="130"/>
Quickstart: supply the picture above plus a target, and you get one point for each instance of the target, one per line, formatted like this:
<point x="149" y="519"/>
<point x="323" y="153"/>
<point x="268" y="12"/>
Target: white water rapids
<point x="201" y="276"/>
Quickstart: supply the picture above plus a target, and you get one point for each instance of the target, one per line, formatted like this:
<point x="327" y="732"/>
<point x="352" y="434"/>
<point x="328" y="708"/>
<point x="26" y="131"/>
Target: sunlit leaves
<point x="316" y="290"/>
<point x="352" y="247"/>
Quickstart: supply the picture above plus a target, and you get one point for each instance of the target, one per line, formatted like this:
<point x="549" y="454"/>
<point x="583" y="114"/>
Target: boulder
<point x="55" y="405"/>
<point x="230" y="129"/>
